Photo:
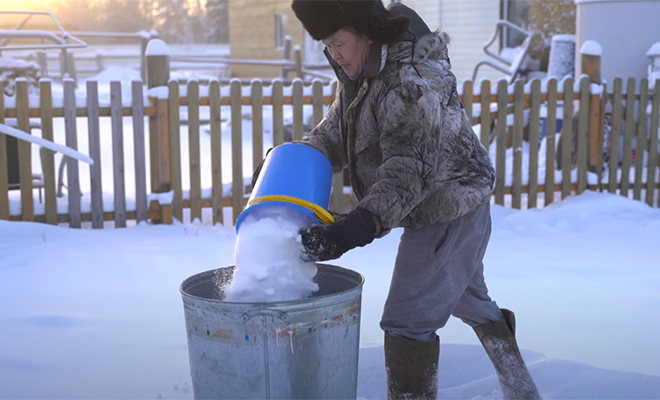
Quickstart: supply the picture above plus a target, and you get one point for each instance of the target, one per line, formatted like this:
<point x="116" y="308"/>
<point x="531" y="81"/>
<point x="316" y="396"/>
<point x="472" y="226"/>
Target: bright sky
<point x="21" y="5"/>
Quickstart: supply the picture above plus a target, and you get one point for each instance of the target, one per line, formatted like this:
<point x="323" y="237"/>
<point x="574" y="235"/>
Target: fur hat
<point x="322" y="18"/>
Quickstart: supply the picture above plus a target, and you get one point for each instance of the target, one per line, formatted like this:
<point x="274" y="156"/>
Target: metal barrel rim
<point x="324" y="269"/>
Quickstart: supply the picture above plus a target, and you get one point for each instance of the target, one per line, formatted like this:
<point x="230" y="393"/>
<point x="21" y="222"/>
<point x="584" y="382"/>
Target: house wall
<point x="469" y="24"/>
<point x="252" y="35"/>
<point x="429" y="10"/>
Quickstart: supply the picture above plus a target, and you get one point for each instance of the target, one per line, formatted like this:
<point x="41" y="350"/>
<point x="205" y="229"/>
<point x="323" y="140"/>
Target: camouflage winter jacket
<point x="412" y="156"/>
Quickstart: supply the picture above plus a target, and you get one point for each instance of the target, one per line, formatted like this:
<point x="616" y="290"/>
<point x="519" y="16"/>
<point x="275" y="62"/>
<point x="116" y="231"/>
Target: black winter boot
<point x="412" y="368"/>
<point x="500" y="344"/>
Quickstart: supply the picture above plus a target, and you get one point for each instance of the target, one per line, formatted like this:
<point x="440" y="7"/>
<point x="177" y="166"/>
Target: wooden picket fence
<point x="486" y="104"/>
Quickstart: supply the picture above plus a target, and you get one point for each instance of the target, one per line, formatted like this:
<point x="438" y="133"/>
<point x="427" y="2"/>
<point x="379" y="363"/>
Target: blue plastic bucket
<point x="296" y="176"/>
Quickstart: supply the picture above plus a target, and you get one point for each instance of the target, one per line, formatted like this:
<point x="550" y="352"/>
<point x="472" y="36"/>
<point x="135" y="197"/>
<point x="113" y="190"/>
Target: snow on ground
<point x="97" y="313"/>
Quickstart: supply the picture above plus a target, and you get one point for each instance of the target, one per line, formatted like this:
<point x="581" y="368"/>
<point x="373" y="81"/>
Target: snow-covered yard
<point x="97" y="314"/>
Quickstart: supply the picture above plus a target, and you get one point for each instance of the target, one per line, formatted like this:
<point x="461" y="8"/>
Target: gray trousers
<point x="439" y="272"/>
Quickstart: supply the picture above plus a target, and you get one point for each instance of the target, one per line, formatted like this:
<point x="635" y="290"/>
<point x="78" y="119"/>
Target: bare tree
<point x="217" y="15"/>
<point x="177" y="21"/>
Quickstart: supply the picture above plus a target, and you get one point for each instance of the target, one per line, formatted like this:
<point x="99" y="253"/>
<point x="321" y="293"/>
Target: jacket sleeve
<point x="326" y="137"/>
<point x="408" y="123"/>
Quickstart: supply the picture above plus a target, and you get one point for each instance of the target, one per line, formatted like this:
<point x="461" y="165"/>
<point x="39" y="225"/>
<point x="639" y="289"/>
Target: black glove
<point x="257" y="170"/>
<point x="330" y="241"/>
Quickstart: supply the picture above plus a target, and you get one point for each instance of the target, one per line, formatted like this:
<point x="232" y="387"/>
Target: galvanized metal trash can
<point x="301" y="349"/>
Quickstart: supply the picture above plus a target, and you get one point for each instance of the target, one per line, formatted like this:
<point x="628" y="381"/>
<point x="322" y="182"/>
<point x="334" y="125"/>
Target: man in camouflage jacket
<point x="398" y="126"/>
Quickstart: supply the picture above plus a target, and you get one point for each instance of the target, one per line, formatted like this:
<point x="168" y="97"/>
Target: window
<point x="280" y="30"/>
<point x="314" y="51"/>
<point x="516" y="12"/>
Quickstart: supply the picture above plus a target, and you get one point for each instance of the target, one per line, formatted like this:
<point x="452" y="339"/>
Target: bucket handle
<point x="323" y="214"/>
<point x="267" y="312"/>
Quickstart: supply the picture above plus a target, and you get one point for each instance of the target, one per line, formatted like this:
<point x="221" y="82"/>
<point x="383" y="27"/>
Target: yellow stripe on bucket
<point x="323" y="214"/>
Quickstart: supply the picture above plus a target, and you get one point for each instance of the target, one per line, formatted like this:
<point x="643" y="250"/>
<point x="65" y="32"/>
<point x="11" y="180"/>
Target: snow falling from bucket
<point x="268" y="263"/>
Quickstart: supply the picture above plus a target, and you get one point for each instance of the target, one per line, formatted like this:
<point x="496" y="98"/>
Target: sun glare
<point x="22" y="5"/>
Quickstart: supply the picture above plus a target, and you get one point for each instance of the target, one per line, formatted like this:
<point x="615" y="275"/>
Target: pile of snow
<point x="267" y="256"/>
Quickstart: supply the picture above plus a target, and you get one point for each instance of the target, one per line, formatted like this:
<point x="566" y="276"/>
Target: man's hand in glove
<point x="330" y="241"/>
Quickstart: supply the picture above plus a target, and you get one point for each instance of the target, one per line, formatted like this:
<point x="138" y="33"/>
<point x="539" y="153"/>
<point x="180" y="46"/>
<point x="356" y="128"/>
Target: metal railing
<point x="61" y="39"/>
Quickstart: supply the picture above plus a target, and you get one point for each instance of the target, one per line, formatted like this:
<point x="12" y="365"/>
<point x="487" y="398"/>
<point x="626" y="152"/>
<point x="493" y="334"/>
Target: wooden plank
<point x="337" y="197"/>
<point x="317" y="102"/>
<point x="583" y="138"/>
<point x="550" y="142"/>
<point x="4" y="174"/>
<point x="600" y="145"/>
<point x="174" y="127"/>
<point x="194" y="151"/>
<point x="216" y="151"/>
<point x="48" y="156"/>
<point x="80" y="112"/>
<point x="468" y="98"/>
<point x="534" y="126"/>
<point x="500" y="161"/>
<point x="567" y="139"/>
<point x="139" y="151"/>
<point x="518" y="122"/>
<point x="628" y="136"/>
<point x="278" y="112"/>
<point x="72" y="176"/>
<point x="653" y="146"/>
<point x="485" y="114"/>
<point x="154" y="145"/>
<point x="95" y="173"/>
<point x="164" y="151"/>
<point x="24" y="150"/>
<point x="298" y="123"/>
<point x="236" y="148"/>
<point x="257" y="123"/>
<point x="641" y="148"/>
<point x="117" y="123"/>
<point x="595" y="132"/>
<point x="615" y="136"/>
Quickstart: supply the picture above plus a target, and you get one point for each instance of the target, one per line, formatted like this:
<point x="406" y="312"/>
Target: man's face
<point x="349" y="50"/>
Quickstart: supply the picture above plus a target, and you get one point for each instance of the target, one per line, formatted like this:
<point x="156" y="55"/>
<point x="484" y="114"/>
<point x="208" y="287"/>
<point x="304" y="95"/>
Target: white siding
<point x="429" y="10"/>
<point x="469" y="23"/>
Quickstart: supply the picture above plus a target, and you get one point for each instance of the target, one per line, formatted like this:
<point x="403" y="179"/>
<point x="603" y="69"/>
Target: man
<point x="398" y="126"/>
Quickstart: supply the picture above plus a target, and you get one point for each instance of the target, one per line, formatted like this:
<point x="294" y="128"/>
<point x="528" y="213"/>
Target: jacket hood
<point x="432" y="46"/>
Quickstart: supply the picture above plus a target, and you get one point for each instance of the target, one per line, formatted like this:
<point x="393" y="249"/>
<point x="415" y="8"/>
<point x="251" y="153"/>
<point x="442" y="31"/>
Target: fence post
<point x="144" y="43"/>
<point x="157" y="57"/>
<point x="287" y="57"/>
<point x="298" y="57"/>
<point x="591" y="56"/>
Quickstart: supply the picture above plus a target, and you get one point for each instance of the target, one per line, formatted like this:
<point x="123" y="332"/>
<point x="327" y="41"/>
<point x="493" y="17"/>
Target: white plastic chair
<point x="512" y="68"/>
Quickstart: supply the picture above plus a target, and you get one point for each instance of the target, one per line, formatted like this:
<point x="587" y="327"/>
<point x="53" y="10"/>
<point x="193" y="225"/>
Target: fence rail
<point x="578" y="136"/>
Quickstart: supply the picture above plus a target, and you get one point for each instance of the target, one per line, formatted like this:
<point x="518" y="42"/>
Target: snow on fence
<point x="610" y="142"/>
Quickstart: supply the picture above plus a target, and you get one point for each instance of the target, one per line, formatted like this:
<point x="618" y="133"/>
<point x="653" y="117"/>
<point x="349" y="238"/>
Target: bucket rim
<point x="288" y="303"/>
<point x="321" y="213"/>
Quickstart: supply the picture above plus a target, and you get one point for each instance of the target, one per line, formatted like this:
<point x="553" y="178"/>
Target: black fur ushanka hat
<point x="322" y="18"/>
